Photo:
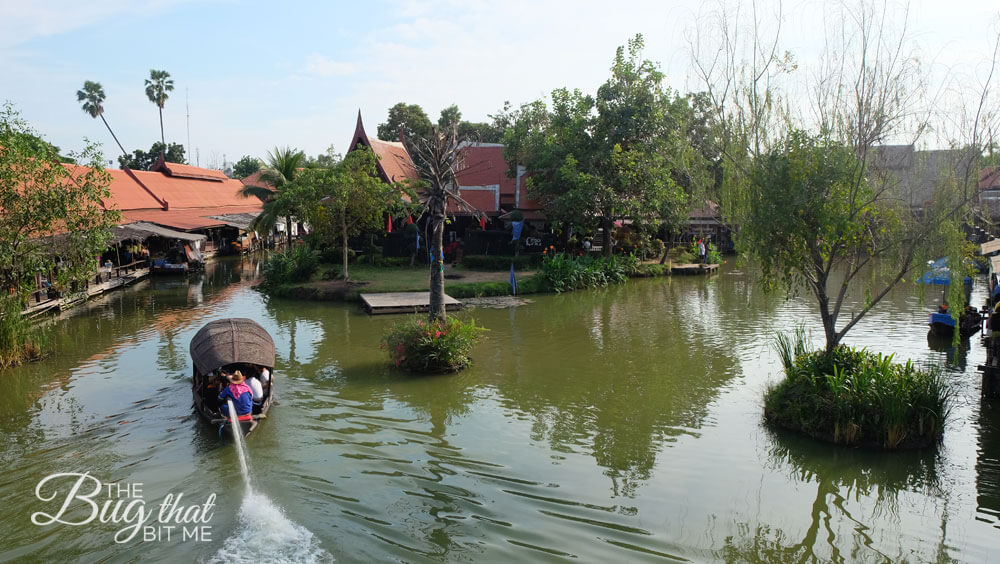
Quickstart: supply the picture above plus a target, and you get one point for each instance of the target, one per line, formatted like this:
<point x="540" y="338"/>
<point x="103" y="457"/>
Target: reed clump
<point x="18" y="339"/>
<point x="853" y="397"/>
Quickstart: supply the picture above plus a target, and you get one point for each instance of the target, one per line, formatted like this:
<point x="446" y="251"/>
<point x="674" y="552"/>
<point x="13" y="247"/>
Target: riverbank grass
<point x="18" y="339"/>
<point x="431" y="347"/>
<point x="854" y="397"/>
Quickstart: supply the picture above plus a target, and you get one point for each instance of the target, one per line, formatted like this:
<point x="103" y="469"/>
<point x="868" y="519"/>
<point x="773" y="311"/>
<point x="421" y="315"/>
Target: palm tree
<point x="282" y="166"/>
<point x="438" y="157"/>
<point x="157" y="86"/>
<point x="92" y="96"/>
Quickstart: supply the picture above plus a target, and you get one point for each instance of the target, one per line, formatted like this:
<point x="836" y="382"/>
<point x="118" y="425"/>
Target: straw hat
<point x="236" y="377"/>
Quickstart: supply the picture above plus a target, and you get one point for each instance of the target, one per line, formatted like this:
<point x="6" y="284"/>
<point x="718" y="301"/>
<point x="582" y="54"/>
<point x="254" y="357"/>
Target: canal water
<point x="617" y="425"/>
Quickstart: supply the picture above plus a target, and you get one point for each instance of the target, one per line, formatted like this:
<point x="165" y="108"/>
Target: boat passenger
<point x="239" y="392"/>
<point x="256" y="388"/>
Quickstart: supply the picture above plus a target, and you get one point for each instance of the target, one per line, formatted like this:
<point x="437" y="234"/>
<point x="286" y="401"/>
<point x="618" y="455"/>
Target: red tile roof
<point x="394" y="164"/>
<point x="187" y="171"/>
<point x="186" y="219"/>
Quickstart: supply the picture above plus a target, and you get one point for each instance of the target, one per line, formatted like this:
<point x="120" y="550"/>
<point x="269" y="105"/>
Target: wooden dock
<point x="404" y="302"/>
<point x="693" y="268"/>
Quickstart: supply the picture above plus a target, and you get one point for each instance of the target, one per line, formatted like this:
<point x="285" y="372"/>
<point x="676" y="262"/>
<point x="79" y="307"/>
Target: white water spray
<point x="263" y="533"/>
<point x="241" y="450"/>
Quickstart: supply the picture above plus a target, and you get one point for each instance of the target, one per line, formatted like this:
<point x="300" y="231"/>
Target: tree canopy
<point x="52" y="220"/>
<point x="143" y="160"/>
<point x="350" y="198"/>
<point x="620" y="154"/>
<point x="246" y="166"/>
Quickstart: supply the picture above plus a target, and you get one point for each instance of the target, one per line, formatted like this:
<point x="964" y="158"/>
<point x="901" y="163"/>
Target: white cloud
<point x="325" y="66"/>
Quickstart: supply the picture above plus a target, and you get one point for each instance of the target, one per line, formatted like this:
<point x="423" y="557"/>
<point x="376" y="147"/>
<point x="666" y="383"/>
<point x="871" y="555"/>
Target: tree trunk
<point x="163" y="139"/>
<point x="606" y="237"/>
<point x="113" y="135"/>
<point x="436" y="204"/>
<point x="343" y="234"/>
<point x="288" y="231"/>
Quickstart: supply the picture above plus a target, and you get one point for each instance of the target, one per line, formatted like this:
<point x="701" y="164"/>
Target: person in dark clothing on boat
<point x="239" y="392"/>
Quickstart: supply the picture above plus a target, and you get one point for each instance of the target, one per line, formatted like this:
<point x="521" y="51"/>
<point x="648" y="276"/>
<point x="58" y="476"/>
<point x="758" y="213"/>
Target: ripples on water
<point x="615" y="425"/>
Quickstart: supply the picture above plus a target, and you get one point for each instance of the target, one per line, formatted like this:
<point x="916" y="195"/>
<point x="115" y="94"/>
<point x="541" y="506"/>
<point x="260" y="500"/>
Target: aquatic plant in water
<point x="418" y="345"/>
<point x="854" y="397"/>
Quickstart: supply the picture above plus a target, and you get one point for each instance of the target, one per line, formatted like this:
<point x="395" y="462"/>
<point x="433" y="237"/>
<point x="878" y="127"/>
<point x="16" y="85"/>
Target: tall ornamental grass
<point x="562" y="272"/>
<point x="854" y="397"/>
<point x="293" y="265"/>
<point x="431" y="347"/>
<point x="18" y="337"/>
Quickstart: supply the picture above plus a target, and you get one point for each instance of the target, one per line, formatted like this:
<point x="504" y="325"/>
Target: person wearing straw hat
<point x="239" y="392"/>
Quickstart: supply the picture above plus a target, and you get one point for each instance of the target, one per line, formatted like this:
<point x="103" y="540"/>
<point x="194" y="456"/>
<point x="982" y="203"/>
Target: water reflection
<point x="853" y="489"/>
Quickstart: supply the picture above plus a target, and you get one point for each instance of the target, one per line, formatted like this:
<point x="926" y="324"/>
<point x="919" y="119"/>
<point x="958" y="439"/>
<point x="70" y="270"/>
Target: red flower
<point x="438" y="334"/>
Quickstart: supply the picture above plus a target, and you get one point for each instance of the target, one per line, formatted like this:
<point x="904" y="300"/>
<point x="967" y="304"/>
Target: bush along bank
<point x="854" y="397"/>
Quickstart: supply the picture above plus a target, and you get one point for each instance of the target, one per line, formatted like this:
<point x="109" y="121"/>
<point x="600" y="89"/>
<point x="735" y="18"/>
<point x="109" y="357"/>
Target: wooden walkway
<point x="693" y="268"/>
<point x="94" y="288"/>
<point x="404" y="302"/>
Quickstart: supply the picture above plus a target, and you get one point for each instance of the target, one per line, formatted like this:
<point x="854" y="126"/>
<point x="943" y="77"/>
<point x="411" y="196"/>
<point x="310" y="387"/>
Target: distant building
<point x="916" y="174"/>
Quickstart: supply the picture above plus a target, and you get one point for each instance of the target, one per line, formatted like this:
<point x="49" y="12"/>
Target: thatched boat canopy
<point x="228" y="341"/>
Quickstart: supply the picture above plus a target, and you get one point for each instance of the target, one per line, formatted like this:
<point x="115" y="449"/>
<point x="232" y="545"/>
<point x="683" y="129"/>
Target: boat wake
<point x="263" y="533"/>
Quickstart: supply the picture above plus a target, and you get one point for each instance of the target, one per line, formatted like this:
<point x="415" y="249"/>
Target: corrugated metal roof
<point x="140" y="230"/>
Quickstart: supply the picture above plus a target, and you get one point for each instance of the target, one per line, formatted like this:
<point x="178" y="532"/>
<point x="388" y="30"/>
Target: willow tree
<point x="157" y="86"/>
<point x="92" y="96"/>
<point x="819" y="203"/>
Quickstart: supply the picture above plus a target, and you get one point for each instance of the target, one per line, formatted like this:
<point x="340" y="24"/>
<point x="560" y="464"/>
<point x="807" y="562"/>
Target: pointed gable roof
<point x="394" y="162"/>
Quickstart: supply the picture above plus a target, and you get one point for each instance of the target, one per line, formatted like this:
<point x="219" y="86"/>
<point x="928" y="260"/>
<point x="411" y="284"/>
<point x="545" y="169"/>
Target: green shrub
<point x="657" y="248"/>
<point x="681" y="255"/>
<point x="335" y="255"/>
<point x="562" y="272"/>
<point x="494" y="263"/>
<point x="294" y="265"/>
<point x="854" y="397"/>
<point x="417" y="345"/>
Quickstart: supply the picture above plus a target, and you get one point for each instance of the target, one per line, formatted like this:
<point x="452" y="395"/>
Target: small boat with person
<point x="233" y="353"/>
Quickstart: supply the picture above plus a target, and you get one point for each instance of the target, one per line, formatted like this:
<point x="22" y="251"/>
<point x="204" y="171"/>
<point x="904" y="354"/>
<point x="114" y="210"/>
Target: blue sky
<point x="256" y="75"/>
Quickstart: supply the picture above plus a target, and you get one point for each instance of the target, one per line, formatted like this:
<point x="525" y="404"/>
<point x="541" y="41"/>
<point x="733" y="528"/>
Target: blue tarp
<point x="940" y="274"/>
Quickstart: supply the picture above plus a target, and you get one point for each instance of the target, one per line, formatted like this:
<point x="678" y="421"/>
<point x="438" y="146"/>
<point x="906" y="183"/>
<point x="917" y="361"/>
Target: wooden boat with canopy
<point x="222" y="347"/>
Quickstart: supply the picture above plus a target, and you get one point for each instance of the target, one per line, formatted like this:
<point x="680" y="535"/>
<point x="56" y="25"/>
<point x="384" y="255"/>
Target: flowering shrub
<point x="417" y="345"/>
<point x="562" y="272"/>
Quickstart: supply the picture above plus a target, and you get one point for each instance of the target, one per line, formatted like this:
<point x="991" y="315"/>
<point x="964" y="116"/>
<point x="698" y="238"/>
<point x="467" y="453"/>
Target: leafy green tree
<point x="53" y="219"/>
<point x="157" y="86"/>
<point x="616" y="155"/>
<point x="144" y="160"/>
<point x="410" y="118"/>
<point x="353" y="197"/>
<point x="324" y="160"/>
<point x="246" y="166"/>
<point x="284" y="165"/>
<point x="92" y="96"/>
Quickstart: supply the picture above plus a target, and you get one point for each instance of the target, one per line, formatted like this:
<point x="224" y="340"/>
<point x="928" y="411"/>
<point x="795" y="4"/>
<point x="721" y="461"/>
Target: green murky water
<point x="608" y="426"/>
